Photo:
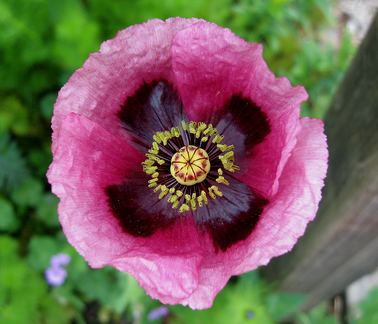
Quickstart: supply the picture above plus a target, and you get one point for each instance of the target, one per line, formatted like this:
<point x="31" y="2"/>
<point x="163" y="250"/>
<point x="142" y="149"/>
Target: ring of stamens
<point x="205" y="163"/>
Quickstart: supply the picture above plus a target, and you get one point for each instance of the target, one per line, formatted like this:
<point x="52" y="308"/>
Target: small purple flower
<point x="56" y="274"/>
<point x="60" y="259"/>
<point x="158" y="313"/>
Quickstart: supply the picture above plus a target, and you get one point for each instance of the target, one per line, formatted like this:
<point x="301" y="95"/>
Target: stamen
<point x="192" y="127"/>
<point x="217" y="139"/>
<point x="184" y="208"/>
<point x="221" y="179"/>
<point x="189" y="166"/>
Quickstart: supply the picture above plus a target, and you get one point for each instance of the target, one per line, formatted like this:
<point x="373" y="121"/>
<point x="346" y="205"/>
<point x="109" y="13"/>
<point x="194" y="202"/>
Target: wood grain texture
<point x="342" y="243"/>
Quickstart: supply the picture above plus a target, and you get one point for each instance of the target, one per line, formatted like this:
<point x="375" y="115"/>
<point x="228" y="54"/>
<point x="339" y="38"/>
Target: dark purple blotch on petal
<point x="243" y="124"/>
<point x="154" y="107"/>
<point x="233" y="217"/>
<point x="137" y="208"/>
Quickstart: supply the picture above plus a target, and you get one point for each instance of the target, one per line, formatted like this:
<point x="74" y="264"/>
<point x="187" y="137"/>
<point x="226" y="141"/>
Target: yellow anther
<point x="155" y="158"/>
<point x="150" y="169"/>
<point x="200" y="201"/>
<point x="200" y="128"/>
<point x="203" y="195"/>
<point x="179" y="193"/>
<point x="155" y="175"/>
<point x="151" y="185"/>
<point x="187" y="198"/>
<point x="220" y="171"/>
<point x="228" y="161"/>
<point x="175" y="204"/>
<point x="204" y="139"/>
<point x="213" y="132"/>
<point x="211" y="194"/>
<point x="153" y="180"/>
<point x="157" y="188"/>
<point x="208" y="129"/>
<point x="229" y="155"/>
<point x="192" y="127"/>
<point x="175" y="131"/>
<point x="165" y="137"/>
<point x="148" y="162"/>
<point x="225" y="147"/>
<point x="184" y="208"/>
<point x="164" y="192"/>
<point x="217" y="191"/>
<point x="221" y="179"/>
<point x="218" y="138"/>
<point x="184" y="126"/>
<point x="172" y="198"/>
<point x="193" y="204"/>
<point x="168" y="135"/>
<point x="155" y="146"/>
<point x="172" y="190"/>
<point x="156" y="138"/>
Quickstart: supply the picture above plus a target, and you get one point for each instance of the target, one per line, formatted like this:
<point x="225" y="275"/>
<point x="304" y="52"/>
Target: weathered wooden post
<point x="342" y="243"/>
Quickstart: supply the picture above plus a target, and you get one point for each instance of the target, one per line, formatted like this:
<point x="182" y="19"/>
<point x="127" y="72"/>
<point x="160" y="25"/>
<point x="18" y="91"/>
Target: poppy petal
<point x="283" y="221"/>
<point x="87" y="159"/>
<point x="138" y="209"/>
<point x="154" y="107"/>
<point x="243" y="124"/>
<point x="211" y="64"/>
<point x="231" y="218"/>
<point x="138" y="54"/>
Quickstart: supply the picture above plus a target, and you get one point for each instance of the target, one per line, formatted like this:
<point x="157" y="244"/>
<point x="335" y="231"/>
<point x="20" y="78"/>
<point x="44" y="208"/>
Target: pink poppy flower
<point x="181" y="159"/>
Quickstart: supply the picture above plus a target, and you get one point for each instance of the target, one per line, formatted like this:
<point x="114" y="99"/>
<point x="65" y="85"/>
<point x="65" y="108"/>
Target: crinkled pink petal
<point x="296" y="202"/>
<point x="137" y="54"/>
<point x="87" y="159"/>
<point x="283" y="222"/>
<point x="211" y="64"/>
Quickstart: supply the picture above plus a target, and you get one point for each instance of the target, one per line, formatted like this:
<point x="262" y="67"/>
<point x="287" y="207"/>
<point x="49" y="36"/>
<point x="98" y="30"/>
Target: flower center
<point x="190" y="165"/>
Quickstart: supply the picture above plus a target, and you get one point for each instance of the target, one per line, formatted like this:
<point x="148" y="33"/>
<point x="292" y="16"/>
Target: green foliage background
<point x="41" y="43"/>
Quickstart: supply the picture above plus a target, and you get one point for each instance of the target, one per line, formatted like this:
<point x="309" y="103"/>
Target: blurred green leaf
<point x="281" y="304"/>
<point x="23" y="293"/>
<point x="13" y="116"/>
<point x="94" y="285"/>
<point x="47" y="210"/>
<point x="76" y="34"/>
<point x="368" y="309"/>
<point x="47" y="105"/>
<point x="40" y="158"/>
<point x="8" y="219"/>
<point x="41" y="249"/>
<point x="13" y="168"/>
<point x="29" y="193"/>
<point x="318" y="315"/>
